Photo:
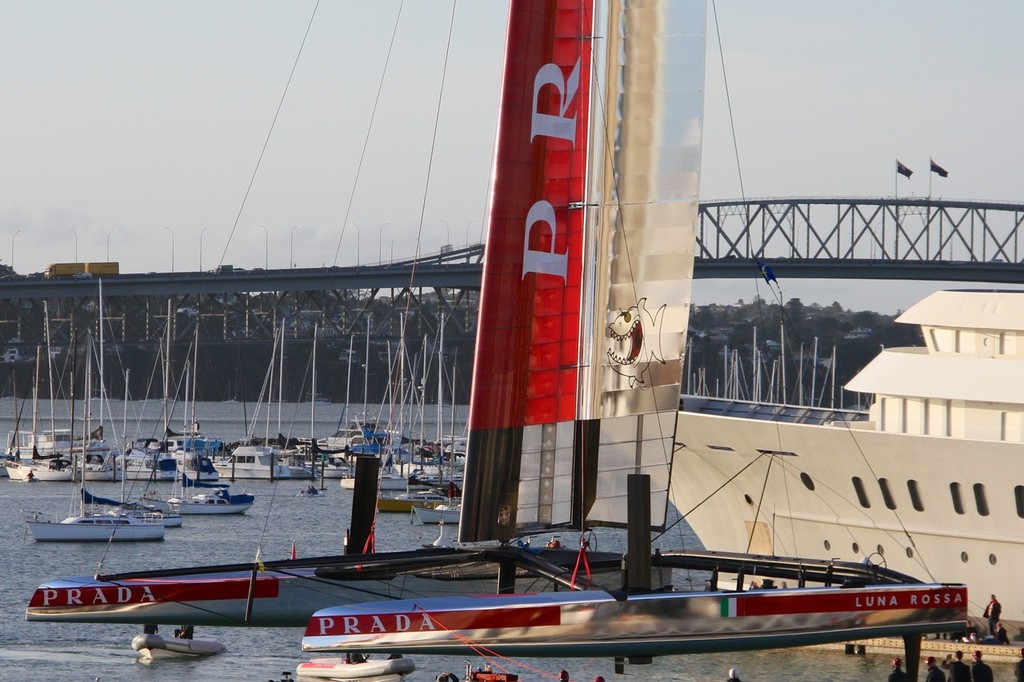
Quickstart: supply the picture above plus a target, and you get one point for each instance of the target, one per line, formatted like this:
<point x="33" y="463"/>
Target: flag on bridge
<point x="939" y="170"/>
<point x="903" y="170"/>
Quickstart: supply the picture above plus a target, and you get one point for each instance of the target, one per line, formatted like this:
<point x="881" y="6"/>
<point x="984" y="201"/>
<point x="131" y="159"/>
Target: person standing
<point x="1018" y="669"/>
<point x="980" y="671"/>
<point x="897" y="674"/>
<point x="935" y="673"/>
<point x="958" y="670"/>
<point x="992" y="612"/>
<point x="734" y="675"/>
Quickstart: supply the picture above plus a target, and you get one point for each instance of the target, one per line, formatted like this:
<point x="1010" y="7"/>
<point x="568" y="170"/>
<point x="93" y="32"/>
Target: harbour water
<point x="89" y="652"/>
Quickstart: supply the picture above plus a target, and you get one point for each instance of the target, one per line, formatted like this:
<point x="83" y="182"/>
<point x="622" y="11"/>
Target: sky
<point x="182" y="134"/>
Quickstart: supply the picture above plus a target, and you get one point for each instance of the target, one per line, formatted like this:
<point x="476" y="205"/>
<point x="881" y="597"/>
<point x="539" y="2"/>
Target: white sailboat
<point x="89" y="527"/>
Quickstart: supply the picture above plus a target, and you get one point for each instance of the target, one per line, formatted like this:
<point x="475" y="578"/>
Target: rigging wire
<point x="270" y="132"/>
<point x="369" y="130"/>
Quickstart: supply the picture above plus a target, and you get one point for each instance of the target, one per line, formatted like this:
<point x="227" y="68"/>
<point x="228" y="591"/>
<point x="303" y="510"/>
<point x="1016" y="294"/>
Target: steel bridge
<point x="883" y="238"/>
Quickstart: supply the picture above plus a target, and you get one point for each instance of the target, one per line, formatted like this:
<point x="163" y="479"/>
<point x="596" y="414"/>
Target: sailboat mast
<point x="167" y="377"/>
<point x="366" y="367"/>
<point x="280" y="380"/>
<point x="440" y="385"/>
<point x="103" y="392"/>
<point x="312" y="397"/>
<point x="49" y="368"/>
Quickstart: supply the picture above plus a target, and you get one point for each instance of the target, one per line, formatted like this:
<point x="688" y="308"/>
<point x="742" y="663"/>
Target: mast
<point x="49" y="369"/>
<point x="440" y="386"/>
<point x="167" y="379"/>
<point x="366" y="368"/>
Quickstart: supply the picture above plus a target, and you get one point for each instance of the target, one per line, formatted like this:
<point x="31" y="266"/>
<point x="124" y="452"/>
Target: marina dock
<point x="939" y="648"/>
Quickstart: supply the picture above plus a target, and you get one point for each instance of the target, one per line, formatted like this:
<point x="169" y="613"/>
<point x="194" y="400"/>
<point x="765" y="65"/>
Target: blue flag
<point x="766" y="272"/>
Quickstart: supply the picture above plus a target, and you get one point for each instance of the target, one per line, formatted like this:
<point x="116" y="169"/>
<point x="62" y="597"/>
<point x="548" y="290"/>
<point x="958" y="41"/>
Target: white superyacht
<point x="930" y="483"/>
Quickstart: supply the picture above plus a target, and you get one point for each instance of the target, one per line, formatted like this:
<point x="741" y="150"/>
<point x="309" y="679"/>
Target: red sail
<point x="528" y="329"/>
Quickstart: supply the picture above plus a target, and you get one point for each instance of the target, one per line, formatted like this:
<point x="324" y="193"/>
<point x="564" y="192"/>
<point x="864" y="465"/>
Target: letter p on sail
<point x="536" y="259"/>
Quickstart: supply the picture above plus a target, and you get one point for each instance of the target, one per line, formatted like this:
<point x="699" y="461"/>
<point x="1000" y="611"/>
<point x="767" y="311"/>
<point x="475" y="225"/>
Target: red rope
<point x="487" y="654"/>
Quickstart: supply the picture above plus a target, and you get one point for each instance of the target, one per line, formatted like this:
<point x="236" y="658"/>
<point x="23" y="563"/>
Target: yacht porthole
<point x="881" y="550"/>
<point x="807" y="481"/>
<point x="856" y="548"/>
<point x="910" y="552"/>
<point x="828" y="545"/>
<point x="964" y="557"/>
<point x="748" y="499"/>
<point x="992" y="559"/>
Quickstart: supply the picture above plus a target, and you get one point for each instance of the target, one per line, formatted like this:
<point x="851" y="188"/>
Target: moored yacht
<point x="922" y="482"/>
<point x="253" y="461"/>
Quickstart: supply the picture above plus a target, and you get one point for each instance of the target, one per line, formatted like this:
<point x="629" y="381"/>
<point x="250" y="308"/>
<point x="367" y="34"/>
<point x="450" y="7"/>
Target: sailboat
<point x="581" y="331"/>
<point x="582" y="326"/>
<point x="89" y="527"/>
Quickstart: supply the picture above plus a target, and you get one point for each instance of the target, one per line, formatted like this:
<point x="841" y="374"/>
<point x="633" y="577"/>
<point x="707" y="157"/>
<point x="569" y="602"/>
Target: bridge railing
<point x="918" y="230"/>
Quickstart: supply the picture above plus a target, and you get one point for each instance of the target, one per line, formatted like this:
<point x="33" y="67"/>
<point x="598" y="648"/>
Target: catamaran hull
<point x="47" y="531"/>
<point x="592" y="623"/>
<point x="284" y="593"/>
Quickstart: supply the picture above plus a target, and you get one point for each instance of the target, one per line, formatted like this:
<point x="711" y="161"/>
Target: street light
<point x="467" y="231"/>
<point x="357" y="243"/>
<point x="201" y="247"/>
<point x="12" y="248"/>
<point x="393" y="249"/>
<point x="380" y="243"/>
<point x="172" y="247"/>
<point x="266" y="247"/>
<point x="76" y="242"/>
<point x="109" y="232"/>
<point x="448" y="232"/>
<point x="291" y="247"/>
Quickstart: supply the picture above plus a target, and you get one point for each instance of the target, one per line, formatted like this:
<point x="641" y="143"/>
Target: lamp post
<point x="172" y="247"/>
<point x="380" y="243"/>
<point x="357" y="243"/>
<point x="393" y="249"/>
<point x="72" y="231"/>
<point x="448" y="232"/>
<point x="266" y="247"/>
<point x="109" y="232"/>
<point x="291" y="247"/>
<point x="201" y="232"/>
<point x="12" y="248"/>
<point x="467" y="231"/>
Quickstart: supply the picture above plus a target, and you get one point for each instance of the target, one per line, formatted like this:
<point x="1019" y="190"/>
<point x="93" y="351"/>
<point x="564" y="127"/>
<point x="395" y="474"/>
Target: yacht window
<point x="992" y="559"/>
<point x="807" y="481"/>
<point x="958" y="500"/>
<point x="890" y="502"/>
<point x="980" y="500"/>
<point x="828" y="546"/>
<point x="910" y="552"/>
<point x="862" y="494"/>
<point x="1018" y="496"/>
<point x="963" y="557"/>
<point x="856" y="548"/>
<point x="915" y="495"/>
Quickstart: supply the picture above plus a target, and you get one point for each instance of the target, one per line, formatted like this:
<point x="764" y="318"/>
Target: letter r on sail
<point x="551" y="125"/>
